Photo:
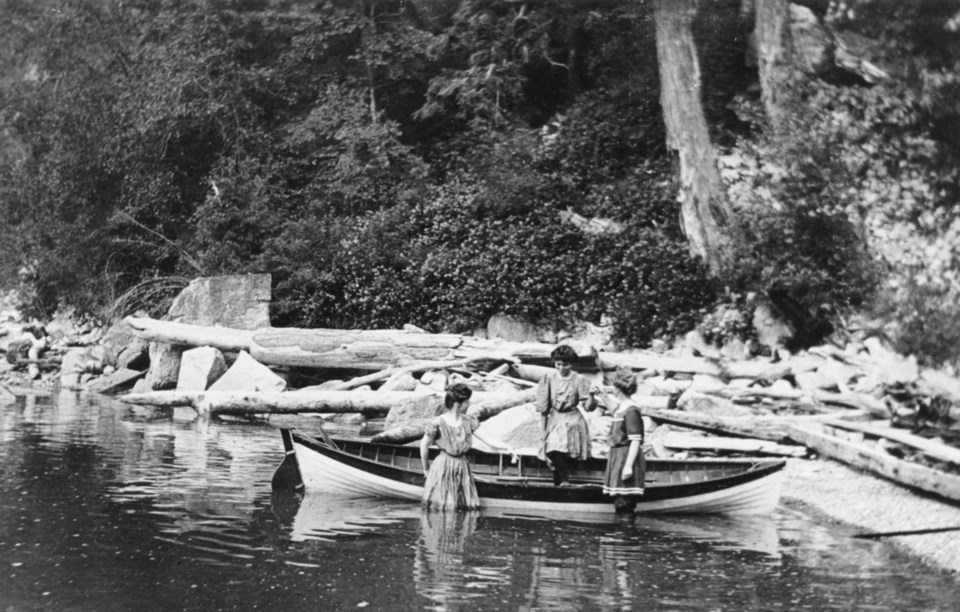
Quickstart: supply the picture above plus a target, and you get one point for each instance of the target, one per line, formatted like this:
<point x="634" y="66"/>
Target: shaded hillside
<point x="393" y="162"/>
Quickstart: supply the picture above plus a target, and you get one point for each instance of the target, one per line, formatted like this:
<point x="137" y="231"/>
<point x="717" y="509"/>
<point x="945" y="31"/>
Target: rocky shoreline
<point x="833" y="492"/>
<point x="84" y="357"/>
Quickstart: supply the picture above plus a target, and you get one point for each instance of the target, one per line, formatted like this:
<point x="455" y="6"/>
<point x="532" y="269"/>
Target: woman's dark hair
<point x="458" y="392"/>
<point x="625" y="380"/>
<point x="563" y="353"/>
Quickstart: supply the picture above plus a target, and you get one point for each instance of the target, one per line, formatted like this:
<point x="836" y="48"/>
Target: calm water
<point x="103" y="507"/>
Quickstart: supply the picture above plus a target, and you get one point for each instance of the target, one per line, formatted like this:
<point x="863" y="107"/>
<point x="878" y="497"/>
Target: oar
<point x="889" y="534"/>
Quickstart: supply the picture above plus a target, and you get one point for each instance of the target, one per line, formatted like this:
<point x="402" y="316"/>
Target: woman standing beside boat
<point x="449" y="482"/>
<point x="624" y="476"/>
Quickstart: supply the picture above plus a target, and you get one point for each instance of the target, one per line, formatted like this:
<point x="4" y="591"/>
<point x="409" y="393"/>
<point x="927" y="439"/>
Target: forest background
<point x="421" y="161"/>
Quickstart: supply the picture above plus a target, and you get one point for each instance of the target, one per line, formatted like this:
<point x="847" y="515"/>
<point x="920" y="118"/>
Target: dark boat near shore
<point x="697" y="486"/>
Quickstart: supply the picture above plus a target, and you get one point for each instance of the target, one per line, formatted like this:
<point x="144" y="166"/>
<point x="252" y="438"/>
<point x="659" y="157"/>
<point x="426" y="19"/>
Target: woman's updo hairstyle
<point x="458" y="392"/>
<point x="625" y="380"/>
<point x="564" y="353"/>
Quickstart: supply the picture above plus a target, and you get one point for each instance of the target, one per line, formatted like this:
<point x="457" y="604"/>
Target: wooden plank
<point x="902" y="472"/>
<point x="934" y="450"/>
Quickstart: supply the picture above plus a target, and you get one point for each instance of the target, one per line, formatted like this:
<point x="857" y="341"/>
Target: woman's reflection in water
<point x="440" y="569"/>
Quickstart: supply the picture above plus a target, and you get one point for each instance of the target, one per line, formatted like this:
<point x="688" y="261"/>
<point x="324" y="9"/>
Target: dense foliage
<point x="394" y="161"/>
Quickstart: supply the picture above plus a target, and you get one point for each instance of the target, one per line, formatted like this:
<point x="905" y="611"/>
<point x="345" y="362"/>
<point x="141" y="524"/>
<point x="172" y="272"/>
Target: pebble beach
<point x="869" y="504"/>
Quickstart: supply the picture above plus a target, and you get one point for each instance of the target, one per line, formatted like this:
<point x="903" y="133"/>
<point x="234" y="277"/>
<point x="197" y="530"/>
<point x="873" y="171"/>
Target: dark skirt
<point x="612" y="483"/>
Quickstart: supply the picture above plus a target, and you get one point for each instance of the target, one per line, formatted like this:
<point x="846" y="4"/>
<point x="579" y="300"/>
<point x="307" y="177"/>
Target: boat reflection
<point x="461" y="558"/>
<point x="330" y="517"/>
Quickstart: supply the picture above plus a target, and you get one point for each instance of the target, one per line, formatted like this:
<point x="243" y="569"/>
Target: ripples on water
<point x="106" y="507"/>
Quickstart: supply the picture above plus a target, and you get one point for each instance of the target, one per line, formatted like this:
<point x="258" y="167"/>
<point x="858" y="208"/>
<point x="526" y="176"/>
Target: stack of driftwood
<point x="781" y="406"/>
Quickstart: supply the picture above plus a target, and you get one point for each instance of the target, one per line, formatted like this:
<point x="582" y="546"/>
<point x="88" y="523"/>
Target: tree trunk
<point x="703" y="204"/>
<point x="772" y="40"/>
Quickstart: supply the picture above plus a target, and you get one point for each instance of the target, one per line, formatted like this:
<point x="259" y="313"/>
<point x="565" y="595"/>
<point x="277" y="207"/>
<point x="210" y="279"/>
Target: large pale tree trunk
<point x="772" y="33"/>
<point x="707" y="220"/>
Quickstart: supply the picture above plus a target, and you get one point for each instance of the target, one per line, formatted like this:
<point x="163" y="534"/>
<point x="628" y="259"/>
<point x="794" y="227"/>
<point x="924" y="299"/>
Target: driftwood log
<point x="685" y="441"/>
<point x="369" y="403"/>
<point x="774" y="429"/>
<point x="336" y="348"/>
<point x="694" y="365"/>
<point x="824" y="440"/>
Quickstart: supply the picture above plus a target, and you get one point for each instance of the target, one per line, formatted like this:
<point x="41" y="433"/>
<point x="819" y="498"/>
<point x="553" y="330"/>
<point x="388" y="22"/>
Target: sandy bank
<point x="874" y="505"/>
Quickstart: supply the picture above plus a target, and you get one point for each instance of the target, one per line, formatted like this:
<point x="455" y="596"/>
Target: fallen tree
<point x="369" y="403"/>
<point x="336" y="348"/>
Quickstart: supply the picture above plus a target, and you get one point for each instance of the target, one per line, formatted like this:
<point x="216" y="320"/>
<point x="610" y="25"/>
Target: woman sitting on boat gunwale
<point x="625" y="464"/>
<point x="449" y="483"/>
<point x="561" y="396"/>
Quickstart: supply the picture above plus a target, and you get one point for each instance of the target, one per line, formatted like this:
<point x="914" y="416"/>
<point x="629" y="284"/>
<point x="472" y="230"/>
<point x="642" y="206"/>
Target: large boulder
<point x="238" y="302"/>
<point x="248" y="374"/>
<point x="199" y="368"/>
<point x="518" y="427"/>
<point x="164" y="366"/>
<point x="418" y="413"/>
<point x="123" y="349"/>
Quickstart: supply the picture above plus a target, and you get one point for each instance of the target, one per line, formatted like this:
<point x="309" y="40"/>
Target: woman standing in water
<point x="449" y="482"/>
<point x="625" y="464"/>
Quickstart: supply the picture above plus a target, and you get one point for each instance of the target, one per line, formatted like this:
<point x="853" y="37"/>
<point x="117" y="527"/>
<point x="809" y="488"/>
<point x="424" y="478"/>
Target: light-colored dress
<point x="557" y="400"/>
<point x="449" y="484"/>
<point x="627" y="427"/>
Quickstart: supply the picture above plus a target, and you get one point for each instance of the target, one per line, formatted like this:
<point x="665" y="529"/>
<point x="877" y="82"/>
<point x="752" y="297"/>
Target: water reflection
<point x="326" y="517"/>
<point x="441" y="570"/>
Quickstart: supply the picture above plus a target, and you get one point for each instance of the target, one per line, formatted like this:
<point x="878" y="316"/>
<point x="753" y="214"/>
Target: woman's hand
<point x="514" y="457"/>
<point x="627" y="472"/>
<point x="426" y="467"/>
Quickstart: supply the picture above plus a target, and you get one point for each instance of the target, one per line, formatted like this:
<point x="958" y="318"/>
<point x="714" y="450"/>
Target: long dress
<point x="566" y="429"/>
<point x="627" y="427"/>
<point x="449" y="484"/>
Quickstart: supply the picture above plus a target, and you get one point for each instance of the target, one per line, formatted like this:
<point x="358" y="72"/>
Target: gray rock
<point x="416" y="413"/>
<point x="114" y="382"/>
<point x="75" y="364"/>
<point x="123" y="349"/>
<point x="239" y="302"/>
<point x="248" y="374"/>
<point x="199" y="368"/>
<point x="812" y="45"/>
<point x="519" y="427"/>
<point x="164" y="365"/>
<point x="401" y="381"/>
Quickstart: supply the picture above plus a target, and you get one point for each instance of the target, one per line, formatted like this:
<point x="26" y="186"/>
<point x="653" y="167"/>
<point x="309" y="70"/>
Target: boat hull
<point x="323" y="466"/>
